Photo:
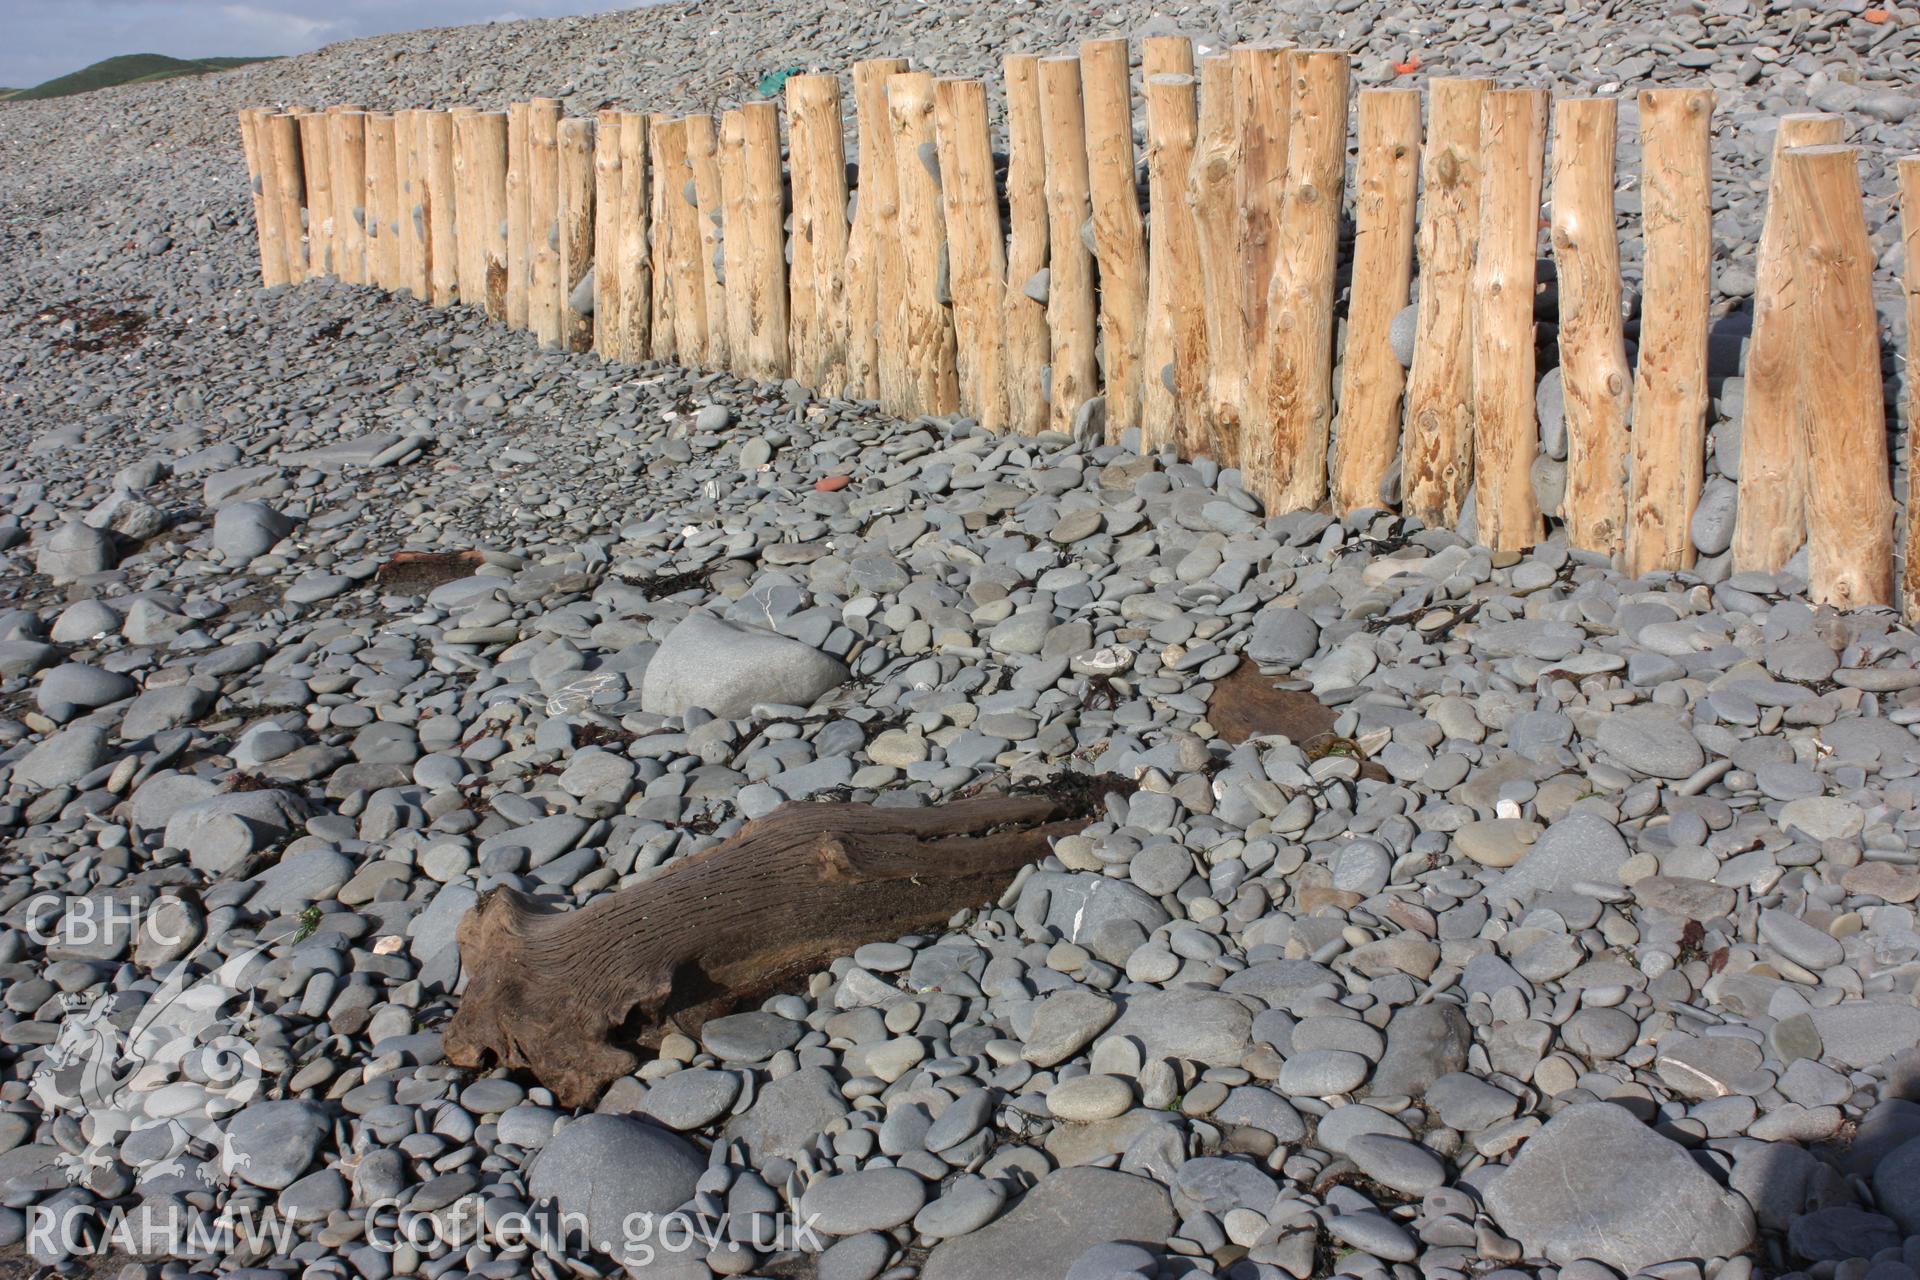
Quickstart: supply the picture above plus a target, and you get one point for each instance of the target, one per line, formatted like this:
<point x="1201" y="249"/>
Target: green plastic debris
<point x="774" y="81"/>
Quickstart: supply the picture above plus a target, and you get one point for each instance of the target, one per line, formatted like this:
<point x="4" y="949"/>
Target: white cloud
<point x="289" y="26"/>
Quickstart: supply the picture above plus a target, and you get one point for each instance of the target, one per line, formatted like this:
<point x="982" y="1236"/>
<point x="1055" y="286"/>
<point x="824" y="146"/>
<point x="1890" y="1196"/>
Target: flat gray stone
<point x="1068" y="1212"/>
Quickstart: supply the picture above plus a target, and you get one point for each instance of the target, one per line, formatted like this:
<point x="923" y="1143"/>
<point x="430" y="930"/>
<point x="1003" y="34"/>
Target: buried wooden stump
<point x="1245" y="704"/>
<point x="559" y="993"/>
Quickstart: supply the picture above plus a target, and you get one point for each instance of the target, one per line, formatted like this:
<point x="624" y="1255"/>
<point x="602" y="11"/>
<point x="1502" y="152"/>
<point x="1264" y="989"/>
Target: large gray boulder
<point x="1596" y="1183"/>
<point x="727" y="669"/>
<point x="608" y="1168"/>
<point x="1067" y="1213"/>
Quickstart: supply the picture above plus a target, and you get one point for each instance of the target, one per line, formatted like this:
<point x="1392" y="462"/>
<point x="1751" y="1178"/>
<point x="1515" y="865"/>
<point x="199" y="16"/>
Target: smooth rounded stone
<point x="893" y="1058"/>
<point x="1650" y="740"/>
<point x="1322" y="1073"/>
<point x="1823" y="818"/>
<point x="727" y="670"/>
<point x="884" y="957"/>
<point x="1581" y="847"/>
<point x="313" y="588"/>
<point x="1884" y="881"/>
<point x="1362" y="867"/>
<point x="299" y="880"/>
<point x="1282" y="637"/>
<point x="1401" y="332"/>
<point x="1836" y="1233"/>
<point x="62" y="758"/>
<point x="690" y="1099"/>
<point x="750" y="1037"/>
<point x="1396" y="1162"/>
<point x="75" y="687"/>
<point x="244" y="531"/>
<point x="870" y="1200"/>
<point x="1468" y="1103"/>
<point x="969" y="1204"/>
<point x="1496" y="842"/>
<point x="1076" y="526"/>
<point x="1711" y="1066"/>
<point x="855" y="1258"/>
<point x="1375" y="1234"/>
<point x="1862" y="1034"/>
<point x="1424" y="1042"/>
<point x="270" y="1144"/>
<point x="1600" y="1035"/>
<point x="74" y="551"/>
<point x="965" y="1116"/>
<point x="787" y="1115"/>
<point x="1713" y="516"/>
<point x="1799" y="941"/>
<point x="492" y="1097"/>
<point x="1348" y="1121"/>
<point x="1161" y="868"/>
<point x="897" y="748"/>
<point x="1068" y="1212"/>
<point x="1066" y="1022"/>
<point x="1085" y="1099"/>
<point x="609" y="1167"/>
<point x="222" y="831"/>
<point x="1896" y="1186"/>
<point x="1565" y="1197"/>
<point x="1683" y="898"/>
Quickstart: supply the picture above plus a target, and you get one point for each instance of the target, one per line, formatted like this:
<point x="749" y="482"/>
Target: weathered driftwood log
<point x="559" y="993"/>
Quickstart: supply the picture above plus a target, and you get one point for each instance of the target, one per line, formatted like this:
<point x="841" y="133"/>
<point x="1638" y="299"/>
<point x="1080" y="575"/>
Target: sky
<point x="41" y="39"/>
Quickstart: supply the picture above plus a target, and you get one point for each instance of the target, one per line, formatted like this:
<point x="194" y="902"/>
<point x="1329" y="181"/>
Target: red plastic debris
<point x="1407" y="68"/>
<point x="830" y="484"/>
<point x="1876" y="16"/>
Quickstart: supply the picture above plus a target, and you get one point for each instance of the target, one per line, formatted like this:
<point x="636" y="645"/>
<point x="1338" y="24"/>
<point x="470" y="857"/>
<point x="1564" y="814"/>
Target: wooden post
<point x="1029" y="348"/>
<point x="1263" y="97"/>
<point x="1371" y="378"/>
<point x="659" y="248"/>
<point x="733" y="236"/>
<point x="635" y="270"/>
<point x="1770" y="522"/>
<point x="1070" y="300"/>
<point x="443" y="278"/>
<point x="383" y="201"/>
<point x="576" y="229"/>
<point x="1119" y="235"/>
<point x="416" y="246"/>
<point x="762" y="232"/>
<point x="347" y="149"/>
<point x="703" y="159"/>
<point x="518" y="214"/>
<point x="1909" y="169"/>
<point x="1840" y="409"/>
<point x="266" y="201"/>
<point x="1506" y="432"/>
<point x="1670" y="384"/>
<point x="1212" y="196"/>
<point x="1173" y="367"/>
<point x="1593" y="348"/>
<point x="489" y="166"/>
<point x="317" y="176"/>
<point x="872" y="241"/>
<point x="926" y="340"/>
<point x="1437" y="448"/>
<point x="1297" y="351"/>
<point x="544" y="300"/>
<point x="289" y="191"/>
<point x="609" y="215"/>
<point x="680" y="219"/>
<point x="817" y="159"/>
<point x="469" y="266"/>
<point x="976" y="254"/>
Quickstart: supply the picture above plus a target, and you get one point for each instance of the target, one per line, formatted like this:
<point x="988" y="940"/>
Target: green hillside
<point x="128" y="68"/>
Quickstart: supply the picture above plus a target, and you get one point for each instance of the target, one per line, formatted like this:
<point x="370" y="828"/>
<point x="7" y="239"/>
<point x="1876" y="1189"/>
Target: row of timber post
<point x="1206" y="321"/>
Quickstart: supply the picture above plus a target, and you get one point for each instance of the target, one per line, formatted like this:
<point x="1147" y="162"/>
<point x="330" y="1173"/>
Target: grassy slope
<point x="130" y="68"/>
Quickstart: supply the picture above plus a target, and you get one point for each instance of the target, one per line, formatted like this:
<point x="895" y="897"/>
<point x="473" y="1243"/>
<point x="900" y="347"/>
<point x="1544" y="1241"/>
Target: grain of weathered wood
<point x="545" y="303"/>
<point x="817" y="290"/>
<point x="925" y="342"/>
<point x="519" y="260"/>
<point x="416" y="245"/>
<point x="1770" y="523"/>
<point x="288" y="187"/>
<point x="443" y="237"/>
<point x="1840" y="411"/>
<point x="1029" y="347"/>
<point x="1216" y="218"/>
<point x="348" y="151"/>
<point x="733" y="234"/>
<point x="576" y="219"/>
<point x="662" y="187"/>
<point x="1595" y="379"/>
<point x="1174" y="361"/>
<point x="1437" y="447"/>
<point x="273" y="260"/>
<point x="488" y="131"/>
<point x="1071" y="310"/>
<point x="1119" y="232"/>
<point x="317" y="178"/>
<point x="609" y="215"/>
<point x="1670" y="382"/>
<point x="703" y="159"/>
<point x="1262" y="104"/>
<point x="1297" y="352"/>
<point x="383" y="202"/>
<point x="976" y="253"/>
<point x="765" y="212"/>
<point x="1506" y="433"/>
<point x="636" y="261"/>
<point x="1385" y="200"/>
<point x="681" y="215"/>
<point x="872" y="240"/>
